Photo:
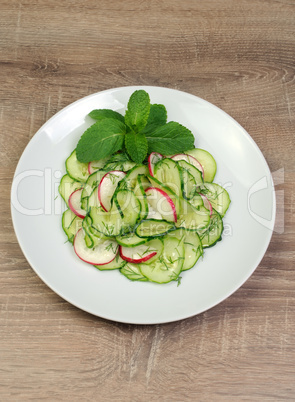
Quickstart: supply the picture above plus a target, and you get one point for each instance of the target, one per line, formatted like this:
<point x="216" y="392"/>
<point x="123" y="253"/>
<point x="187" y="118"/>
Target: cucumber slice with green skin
<point x="146" y="253"/>
<point x="124" y="166"/>
<point x="193" y="249"/>
<point x="132" y="272"/>
<point x="97" y="165"/>
<point x="117" y="263"/>
<point x="167" y="171"/>
<point x="192" y="246"/>
<point x="103" y="253"/>
<point x="207" y="161"/>
<point x="67" y="186"/>
<point x="197" y="201"/>
<point x="212" y="234"/>
<point x="130" y="180"/>
<point x="198" y="176"/>
<point x="120" y="219"/>
<point x="71" y="223"/>
<point x="160" y="202"/>
<point x="141" y="196"/>
<point x="92" y="237"/>
<point x="168" y="266"/>
<point x="92" y="200"/>
<point x="131" y="240"/>
<point x="75" y="169"/>
<point x="188" y="184"/>
<point x="153" y="228"/>
<point x="218" y="197"/>
<point x="194" y="219"/>
<point x="91" y="183"/>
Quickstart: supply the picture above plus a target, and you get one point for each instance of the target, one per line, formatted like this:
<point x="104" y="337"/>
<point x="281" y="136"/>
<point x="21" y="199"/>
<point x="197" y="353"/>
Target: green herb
<point x="143" y="129"/>
<point x="138" y="110"/>
<point x="137" y="146"/>
<point x="100" y="114"/>
<point x="170" y="138"/>
<point x="100" y="140"/>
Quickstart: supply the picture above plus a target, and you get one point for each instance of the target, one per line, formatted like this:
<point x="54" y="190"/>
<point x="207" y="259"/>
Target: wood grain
<point x="237" y="55"/>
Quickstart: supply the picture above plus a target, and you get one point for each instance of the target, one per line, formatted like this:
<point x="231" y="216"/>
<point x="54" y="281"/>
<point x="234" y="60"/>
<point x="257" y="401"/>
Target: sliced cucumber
<point x="188" y="184"/>
<point x="167" y="171"/>
<point x="91" y="183"/>
<point x="207" y="161"/>
<point x="120" y="219"/>
<point x="197" y="201"/>
<point x="71" y="223"/>
<point x="132" y="272"/>
<point x="213" y="232"/>
<point x="130" y="240"/>
<point x="194" y="218"/>
<point x="67" y="186"/>
<point x="168" y="266"/>
<point x="131" y="177"/>
<point x="91" y="236"/>
<point x="75" y="169"/>
<point x="192" y="246"/>
<point x="153" y="228"/>
<point x="196" y="173"/>
<point x="192" y="249"/>
<point x="117" y="263"/>
<point x="217" y="195"/>
<point x="92" y="200"/>
<point x="141" y="196"/>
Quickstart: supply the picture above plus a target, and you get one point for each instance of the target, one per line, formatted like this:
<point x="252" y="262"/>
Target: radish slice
<point x="153" y="158"/>
<point x="103" y="253"/>
<point x="75" y="203"/>
<point x="141" y="253"/>
<point x="207" y="203"/>
<point x="190" y="159"/>
<point x="152" y="214"/>
<point x="161" y="203"/>
<point x="93" y="167"/>
<point x="107" y="187"/>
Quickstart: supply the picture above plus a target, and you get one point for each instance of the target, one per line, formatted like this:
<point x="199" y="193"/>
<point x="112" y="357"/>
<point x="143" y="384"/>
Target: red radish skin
<point x="101" y="191"/>
<point x="76" y="239"/>
<point x="151" y="163"/>
<point x="136" y="260"/>
<point x="207" y="203"/>
<point x="75" y="203"/>
<point x="190" y="159"/>
<point x="168" y="199"/>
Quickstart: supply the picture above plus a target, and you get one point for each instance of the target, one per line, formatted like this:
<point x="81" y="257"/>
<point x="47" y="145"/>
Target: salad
<point x="140" y="197"/>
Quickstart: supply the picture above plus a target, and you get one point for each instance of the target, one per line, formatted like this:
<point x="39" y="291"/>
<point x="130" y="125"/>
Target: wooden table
<point x="239" y="55"/>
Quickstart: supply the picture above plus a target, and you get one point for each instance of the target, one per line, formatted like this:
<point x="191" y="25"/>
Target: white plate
<point x="241" y="169"/>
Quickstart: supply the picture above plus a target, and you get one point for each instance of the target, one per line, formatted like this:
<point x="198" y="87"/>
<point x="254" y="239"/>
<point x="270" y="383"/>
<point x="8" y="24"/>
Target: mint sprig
<point x="101" y="140"/>
<point x="143" y="129"/>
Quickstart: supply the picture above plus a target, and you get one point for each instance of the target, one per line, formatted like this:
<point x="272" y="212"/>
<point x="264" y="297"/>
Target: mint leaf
<point x="138" y="110"/>
<point x="137" y="146"/>
<point x="100" y="114"/>
<point x="170" y="138"/>
<point x="100" y="140"/>
<point x="157" y="117"/>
